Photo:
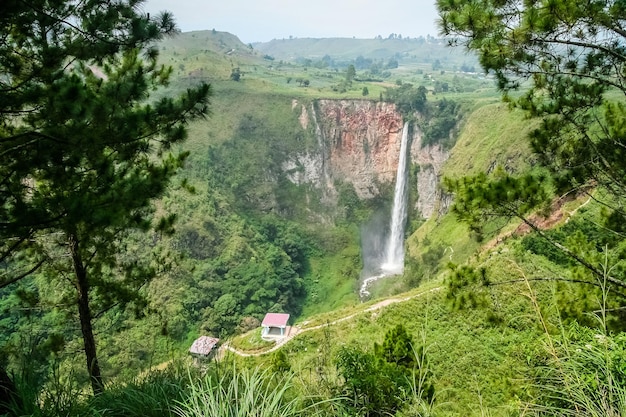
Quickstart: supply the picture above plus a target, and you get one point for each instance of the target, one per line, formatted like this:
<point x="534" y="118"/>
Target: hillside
<point x="264" y="98"/>
<point x="295" y="164"/>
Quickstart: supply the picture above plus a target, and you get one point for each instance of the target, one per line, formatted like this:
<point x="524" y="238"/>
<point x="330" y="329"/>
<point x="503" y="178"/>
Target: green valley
<point x="512" y="295"/>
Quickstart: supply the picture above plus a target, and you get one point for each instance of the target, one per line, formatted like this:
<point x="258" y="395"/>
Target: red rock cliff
<point x="363" y="140"/>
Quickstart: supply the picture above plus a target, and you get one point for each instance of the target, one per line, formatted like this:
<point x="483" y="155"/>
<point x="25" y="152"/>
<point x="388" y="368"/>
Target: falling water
<point x="393" y="260"/>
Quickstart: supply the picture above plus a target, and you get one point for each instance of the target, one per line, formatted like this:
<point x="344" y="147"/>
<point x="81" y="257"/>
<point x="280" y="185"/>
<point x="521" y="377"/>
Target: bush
<point x="373" y="387"/>
<point x="380" y="384"/>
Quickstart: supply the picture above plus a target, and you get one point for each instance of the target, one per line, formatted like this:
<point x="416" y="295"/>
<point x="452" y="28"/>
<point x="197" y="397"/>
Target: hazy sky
<point x="264" y="20"/>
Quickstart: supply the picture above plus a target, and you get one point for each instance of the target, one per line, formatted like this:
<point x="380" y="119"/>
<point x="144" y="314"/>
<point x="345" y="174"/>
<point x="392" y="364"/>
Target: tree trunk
<point x="8" y="394"/>
<point x="84" y="312"/>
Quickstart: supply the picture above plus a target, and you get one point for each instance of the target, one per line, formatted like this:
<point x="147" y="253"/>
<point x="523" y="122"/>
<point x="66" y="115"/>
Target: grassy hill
<point x="479" y="364"/>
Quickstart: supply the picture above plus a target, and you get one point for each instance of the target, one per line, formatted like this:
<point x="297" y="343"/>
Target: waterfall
<point x="393" y="257"/>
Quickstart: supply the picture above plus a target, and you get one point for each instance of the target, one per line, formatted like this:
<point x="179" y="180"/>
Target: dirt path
<point x="296" y="330"/>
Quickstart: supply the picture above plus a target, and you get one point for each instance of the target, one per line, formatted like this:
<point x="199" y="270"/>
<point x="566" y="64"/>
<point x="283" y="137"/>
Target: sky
<point x="264" y="20"/>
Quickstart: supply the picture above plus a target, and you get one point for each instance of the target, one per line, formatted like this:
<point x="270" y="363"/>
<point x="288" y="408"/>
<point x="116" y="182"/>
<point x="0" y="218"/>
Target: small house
<point x="203" y="347"/>
<point x="275" y="326"/>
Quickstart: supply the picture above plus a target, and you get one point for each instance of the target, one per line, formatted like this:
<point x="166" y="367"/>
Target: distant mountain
<point x="330" y="52"/>
<point x="407" y="50"/>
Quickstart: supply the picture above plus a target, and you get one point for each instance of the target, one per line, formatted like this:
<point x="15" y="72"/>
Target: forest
<point x="158" y="186"/>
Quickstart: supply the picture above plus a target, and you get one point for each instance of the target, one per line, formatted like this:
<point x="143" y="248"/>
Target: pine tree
<point x="83" y="150"/>
<point x="571" y="55"/>
<point x="397" y="348"/>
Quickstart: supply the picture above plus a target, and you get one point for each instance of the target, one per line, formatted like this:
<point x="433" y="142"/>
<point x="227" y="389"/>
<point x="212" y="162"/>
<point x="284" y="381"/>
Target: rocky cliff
<point x="359" y="143"/>
<point x="430" y="159"/>
<point x="363" y="140"/>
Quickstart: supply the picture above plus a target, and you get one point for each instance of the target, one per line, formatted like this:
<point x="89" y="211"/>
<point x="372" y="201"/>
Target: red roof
<point x="275" y="320"/>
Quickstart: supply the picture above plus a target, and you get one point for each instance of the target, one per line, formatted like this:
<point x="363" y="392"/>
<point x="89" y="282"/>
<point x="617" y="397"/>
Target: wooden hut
<point x="204" y="347"/>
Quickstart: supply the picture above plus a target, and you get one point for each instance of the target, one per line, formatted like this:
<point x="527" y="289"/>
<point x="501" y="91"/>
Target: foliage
<point x="470" y="356"/>
<point x="421" y="402"/>
<point x="588" y="238"/>
<point x="481" y="198"/>
<point x="83" y="151"/>
<point x="250" y="175"/>
<point x="465" y="288"/>
<point x="441" y="120"/>
<point x="235" y="74"/>
<point x="378" y="384"/>
<point x="586" y="375"/>
<point x="352" y="209"/>
<point x="374" y="387"/>
<point x="540" y="246"/>
<point x="335" y="271"/>
<point x="567" y="58"/>
<point x="397" y="348"/>
<point x="585" y="224"/>
<point x="580" y="245"/>
<point x="248" y="237"/>
<point x="593" y="393"/>
<point x="257" y="270"/>
<point x="350" y="74"/>
<point x="154" y="394"/>
<point x="438" y="121"/>
<point x="408" y="99"/>
<point x="280" y="362"/>
<point x="494" y="136"/>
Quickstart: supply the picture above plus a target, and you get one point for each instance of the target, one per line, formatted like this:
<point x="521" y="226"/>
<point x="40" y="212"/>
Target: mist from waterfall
<point x="383" y="250"/>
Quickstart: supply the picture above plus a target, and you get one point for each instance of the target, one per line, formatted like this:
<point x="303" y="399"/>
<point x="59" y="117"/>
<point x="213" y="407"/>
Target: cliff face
<point x="363" y="140"/>
<point x="430" y="160"/>
<point x="359" y="143"/>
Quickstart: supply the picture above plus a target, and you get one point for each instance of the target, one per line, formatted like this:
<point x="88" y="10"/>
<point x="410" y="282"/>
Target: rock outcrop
<point x="430" y="159"/>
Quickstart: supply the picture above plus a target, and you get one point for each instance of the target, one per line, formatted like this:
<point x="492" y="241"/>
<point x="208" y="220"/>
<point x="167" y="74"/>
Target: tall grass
<point x="154" y="395"/>
<point x="586" y="373"/>
<point x="241" y="393"/>
<point x="422" y="395"/>
<point x="46" y="395"/>
<point x="587" y="380"/>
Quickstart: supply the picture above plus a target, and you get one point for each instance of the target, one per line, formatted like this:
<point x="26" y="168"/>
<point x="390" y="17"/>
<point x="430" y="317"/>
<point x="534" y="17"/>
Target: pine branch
<point x="549" y="279"/>
<point x="597" y="272"/>
<point x="22" y="275"/>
